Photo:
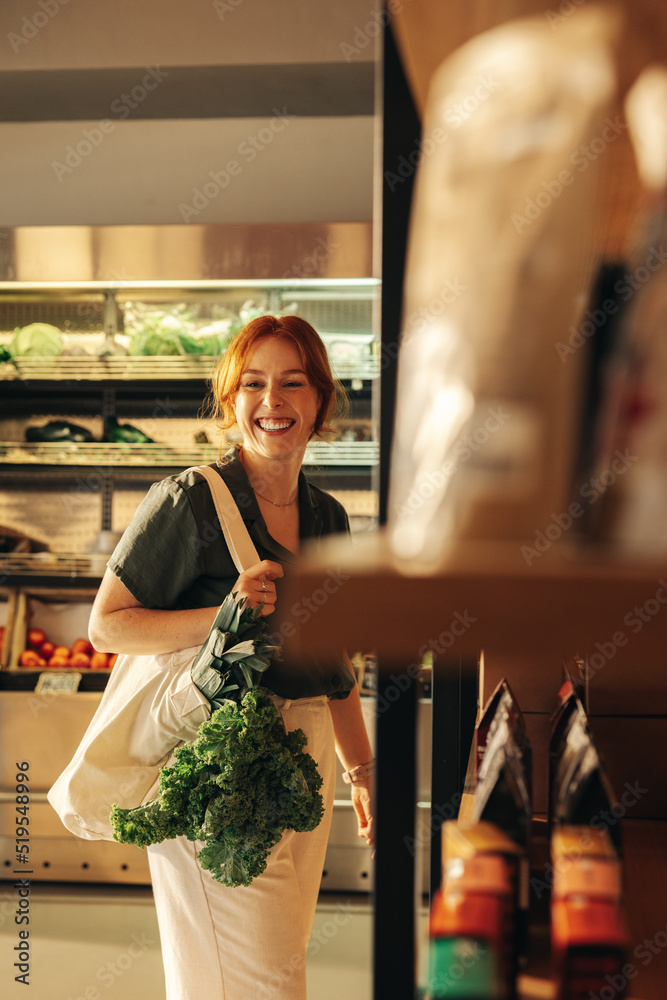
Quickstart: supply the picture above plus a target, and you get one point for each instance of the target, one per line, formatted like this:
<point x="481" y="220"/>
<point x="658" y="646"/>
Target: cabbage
<point x="38" y="340"/>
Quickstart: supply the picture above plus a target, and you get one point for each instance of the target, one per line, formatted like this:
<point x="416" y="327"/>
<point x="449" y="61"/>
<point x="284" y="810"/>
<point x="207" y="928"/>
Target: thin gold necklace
<point x="290" y="504"/>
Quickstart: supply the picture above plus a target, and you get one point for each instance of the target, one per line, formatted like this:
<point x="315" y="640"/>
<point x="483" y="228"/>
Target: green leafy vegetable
<point x="37" y="340"/>
<point x="244" y="779"/>
<point x="125" y="433"/>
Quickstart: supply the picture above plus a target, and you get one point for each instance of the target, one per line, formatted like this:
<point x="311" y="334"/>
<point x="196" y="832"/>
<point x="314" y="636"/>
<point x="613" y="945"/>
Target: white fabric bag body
<point x="149" y="706"/>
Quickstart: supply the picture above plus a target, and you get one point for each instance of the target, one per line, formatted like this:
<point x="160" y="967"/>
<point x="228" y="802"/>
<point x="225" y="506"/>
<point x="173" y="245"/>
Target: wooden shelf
<point x="566" y="601"/>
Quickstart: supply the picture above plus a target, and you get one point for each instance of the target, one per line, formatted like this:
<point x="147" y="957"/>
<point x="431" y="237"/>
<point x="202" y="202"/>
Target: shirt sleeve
<point x="159" y="555"/>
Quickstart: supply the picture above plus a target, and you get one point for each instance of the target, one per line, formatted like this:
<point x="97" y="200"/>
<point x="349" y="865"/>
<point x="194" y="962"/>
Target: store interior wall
<point x="265" y="109"/>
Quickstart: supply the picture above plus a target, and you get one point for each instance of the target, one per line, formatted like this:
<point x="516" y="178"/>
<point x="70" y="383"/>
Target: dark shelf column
<point x="394" y="896"/>
<point x="394" y="957"/>
<point x="401" y="134"/>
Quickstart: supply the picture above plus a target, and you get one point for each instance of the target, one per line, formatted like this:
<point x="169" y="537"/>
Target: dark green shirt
<point x="174" y="556"/>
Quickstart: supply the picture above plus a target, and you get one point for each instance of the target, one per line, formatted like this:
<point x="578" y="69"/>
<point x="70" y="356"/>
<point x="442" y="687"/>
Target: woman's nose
<point x="272" y="395"/>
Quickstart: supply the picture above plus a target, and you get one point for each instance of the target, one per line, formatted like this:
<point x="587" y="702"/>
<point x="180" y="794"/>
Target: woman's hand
<point x="257" y="586"/>
<point x="362" y="800"/>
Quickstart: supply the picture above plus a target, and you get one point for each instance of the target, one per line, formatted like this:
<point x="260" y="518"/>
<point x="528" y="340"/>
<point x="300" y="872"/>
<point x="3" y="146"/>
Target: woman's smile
<point x="271" y="425"/>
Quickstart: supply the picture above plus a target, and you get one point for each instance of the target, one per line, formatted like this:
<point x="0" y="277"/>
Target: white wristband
<point x="359" y="773"/>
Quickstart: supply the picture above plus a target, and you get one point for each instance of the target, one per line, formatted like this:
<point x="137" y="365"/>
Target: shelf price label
<point x="58" y="682"/>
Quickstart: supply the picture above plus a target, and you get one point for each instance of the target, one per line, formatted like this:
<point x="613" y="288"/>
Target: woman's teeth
<point x="275" y="425"/>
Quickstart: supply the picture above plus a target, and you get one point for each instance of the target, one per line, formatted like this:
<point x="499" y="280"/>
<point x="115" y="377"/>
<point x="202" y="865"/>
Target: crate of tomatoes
<point x="49" y="629"/>
<point x="41" y="652"/>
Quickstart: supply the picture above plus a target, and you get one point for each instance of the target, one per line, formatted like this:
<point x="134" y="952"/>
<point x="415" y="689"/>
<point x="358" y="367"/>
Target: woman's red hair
<point x="226" y="378"/>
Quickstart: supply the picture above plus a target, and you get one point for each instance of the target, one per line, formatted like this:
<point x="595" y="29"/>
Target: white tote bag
<point x="149" y="706"/>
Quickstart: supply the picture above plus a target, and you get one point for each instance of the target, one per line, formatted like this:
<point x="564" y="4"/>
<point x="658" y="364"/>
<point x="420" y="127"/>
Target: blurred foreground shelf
<point x="485" y="615"/>
<point x="486" y="597"/>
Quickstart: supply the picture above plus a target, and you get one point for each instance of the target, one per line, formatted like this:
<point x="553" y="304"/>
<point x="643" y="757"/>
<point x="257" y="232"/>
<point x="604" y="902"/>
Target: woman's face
<point x="276" y="406"/>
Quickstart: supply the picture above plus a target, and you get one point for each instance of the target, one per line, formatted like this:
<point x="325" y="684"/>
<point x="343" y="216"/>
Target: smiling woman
<point x="162" y="589"/>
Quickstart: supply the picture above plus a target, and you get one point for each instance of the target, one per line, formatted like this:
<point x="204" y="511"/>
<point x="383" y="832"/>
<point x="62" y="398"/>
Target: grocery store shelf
<point x="15" y="678"/>
<point x="123" y="368"/>
<point x="179" y="284"/>
<point x="114" y="369"/>
<point x="52" y="566"/>
<point x="102" y="455"/>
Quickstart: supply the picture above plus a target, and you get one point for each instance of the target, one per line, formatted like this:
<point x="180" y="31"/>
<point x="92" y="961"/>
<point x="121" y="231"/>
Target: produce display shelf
<point x="25" y="678"/>
<point x="116" y="368"/>
<point x="51" y="564"/>
<point x="187" y="368"/>
<point x="98" y="454"/>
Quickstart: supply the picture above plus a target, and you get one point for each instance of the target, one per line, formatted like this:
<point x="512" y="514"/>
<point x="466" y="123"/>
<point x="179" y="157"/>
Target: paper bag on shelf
<point x="497" y="270"/>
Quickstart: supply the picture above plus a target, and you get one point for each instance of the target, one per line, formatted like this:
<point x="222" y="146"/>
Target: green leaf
<point x="223" y="859"/>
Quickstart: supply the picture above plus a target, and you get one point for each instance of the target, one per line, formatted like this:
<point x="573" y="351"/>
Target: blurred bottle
<point x="632" y="431"/>
<point x="589" y="935"/>
<point x="467" y="930"/>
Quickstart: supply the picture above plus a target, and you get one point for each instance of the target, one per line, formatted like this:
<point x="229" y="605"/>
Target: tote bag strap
<point x="239" y="542"/>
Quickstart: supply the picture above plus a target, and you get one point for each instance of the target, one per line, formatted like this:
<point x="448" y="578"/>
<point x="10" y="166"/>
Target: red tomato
<point x="59" y="661"/>
<point x="99" y="661"/>
<point x="80" y="661"/>
<point x="47" y="649"/>
<point x="36" y="637"/>
<point x="82" y="646"/>
<point x="29" y="658"/>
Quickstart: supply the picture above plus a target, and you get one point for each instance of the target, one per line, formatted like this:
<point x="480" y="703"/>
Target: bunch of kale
<point x="244" y="779"/>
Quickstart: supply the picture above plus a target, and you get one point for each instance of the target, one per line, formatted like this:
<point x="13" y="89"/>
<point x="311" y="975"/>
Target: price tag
<point x="54" y="682"/>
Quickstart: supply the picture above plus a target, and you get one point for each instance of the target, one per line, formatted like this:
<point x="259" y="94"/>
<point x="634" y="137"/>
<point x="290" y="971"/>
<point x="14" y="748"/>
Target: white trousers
<point x="247" y="942"/>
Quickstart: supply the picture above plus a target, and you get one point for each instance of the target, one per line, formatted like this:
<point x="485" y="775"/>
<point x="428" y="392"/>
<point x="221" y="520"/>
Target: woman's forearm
<point x="352" y="742"/>
<point x="143" y="630"/>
